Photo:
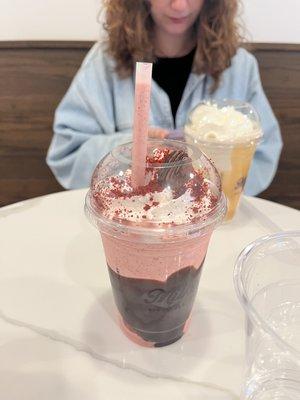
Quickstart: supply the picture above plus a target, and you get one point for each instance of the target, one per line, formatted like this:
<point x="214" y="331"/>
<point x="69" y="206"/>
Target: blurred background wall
<point x="265" y="20"/>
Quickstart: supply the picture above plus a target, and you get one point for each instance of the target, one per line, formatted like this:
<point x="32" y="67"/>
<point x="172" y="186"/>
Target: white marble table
<point x="58" y="334"/>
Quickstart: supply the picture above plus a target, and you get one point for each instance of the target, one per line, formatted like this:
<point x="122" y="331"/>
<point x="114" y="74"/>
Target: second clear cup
<point x="227" y="132"/>
<point x="267" y="281"/>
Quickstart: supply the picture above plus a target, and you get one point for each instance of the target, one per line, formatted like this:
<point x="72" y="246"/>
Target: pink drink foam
<point x="150" y="261"/>
<point x="150" y="206"/>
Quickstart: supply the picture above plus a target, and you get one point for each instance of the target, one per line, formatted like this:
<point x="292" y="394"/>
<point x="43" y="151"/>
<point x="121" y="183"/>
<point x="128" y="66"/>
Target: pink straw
<point x="140" y="125"/>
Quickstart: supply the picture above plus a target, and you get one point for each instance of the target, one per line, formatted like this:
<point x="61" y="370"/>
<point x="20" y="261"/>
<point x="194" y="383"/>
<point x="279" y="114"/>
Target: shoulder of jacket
<point x="243" y="59"/>
<point x="97" y="55"/>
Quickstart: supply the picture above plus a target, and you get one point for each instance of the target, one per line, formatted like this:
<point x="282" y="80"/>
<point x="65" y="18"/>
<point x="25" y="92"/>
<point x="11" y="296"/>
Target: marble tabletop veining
<point x="59" y="337"/>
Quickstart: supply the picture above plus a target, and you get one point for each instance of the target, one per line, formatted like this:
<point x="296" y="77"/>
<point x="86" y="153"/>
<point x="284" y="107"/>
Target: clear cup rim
<point x="239" y="104"/>
<point x="212" y="218"/>
<point x="254" y="140"/>
<point x="241" y="290"/>
<point x="159" y="165"/>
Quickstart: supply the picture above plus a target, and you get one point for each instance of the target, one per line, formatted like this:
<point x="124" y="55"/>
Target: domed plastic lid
<point x="224" y="122"/>
<point x="180" y="195"/>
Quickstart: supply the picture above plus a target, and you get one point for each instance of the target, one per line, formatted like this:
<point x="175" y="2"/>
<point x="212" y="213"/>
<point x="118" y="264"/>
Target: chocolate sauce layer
<point x="156" y="311"/>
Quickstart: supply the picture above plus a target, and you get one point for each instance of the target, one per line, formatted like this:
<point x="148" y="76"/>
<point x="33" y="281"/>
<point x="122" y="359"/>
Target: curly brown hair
<point x="129" y="26"/>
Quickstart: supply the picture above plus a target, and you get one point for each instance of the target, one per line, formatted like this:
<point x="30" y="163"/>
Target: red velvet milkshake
<point x="156" y="236"/>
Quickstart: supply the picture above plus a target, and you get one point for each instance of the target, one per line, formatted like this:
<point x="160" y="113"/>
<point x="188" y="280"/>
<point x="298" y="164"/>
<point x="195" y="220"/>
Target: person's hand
<point x="157" y="133"/>
<point x="161" y="133"/>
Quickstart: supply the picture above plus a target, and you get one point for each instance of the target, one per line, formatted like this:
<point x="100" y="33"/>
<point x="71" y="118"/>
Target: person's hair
<point x="129" y="28"/>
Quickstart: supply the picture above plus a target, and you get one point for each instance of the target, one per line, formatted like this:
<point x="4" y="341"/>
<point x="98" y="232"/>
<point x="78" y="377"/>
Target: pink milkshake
<point x="155" y="235"/>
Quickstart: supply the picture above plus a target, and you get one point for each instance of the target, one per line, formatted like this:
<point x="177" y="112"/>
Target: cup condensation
<point x="155" y="262"/>
<point x="230" y="144"/>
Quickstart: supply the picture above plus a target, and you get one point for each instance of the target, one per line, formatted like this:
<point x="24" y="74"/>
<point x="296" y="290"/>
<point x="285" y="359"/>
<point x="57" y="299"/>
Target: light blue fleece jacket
<point x="96" y="114"/>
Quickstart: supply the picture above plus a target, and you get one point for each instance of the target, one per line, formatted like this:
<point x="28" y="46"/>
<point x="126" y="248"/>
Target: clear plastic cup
<point x="267" y="282"/>
<point x="231" y="156"/>
<point x="155" y="265"/>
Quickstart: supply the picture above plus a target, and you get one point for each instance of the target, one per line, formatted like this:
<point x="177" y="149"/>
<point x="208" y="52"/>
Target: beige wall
<point x="272" y="20"/>
<point x="49" y="19"/>
<point x="265" y="20"/>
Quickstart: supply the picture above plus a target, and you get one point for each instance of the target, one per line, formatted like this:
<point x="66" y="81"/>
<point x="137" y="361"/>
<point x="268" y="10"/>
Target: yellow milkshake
<point x="228" y="132"/>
